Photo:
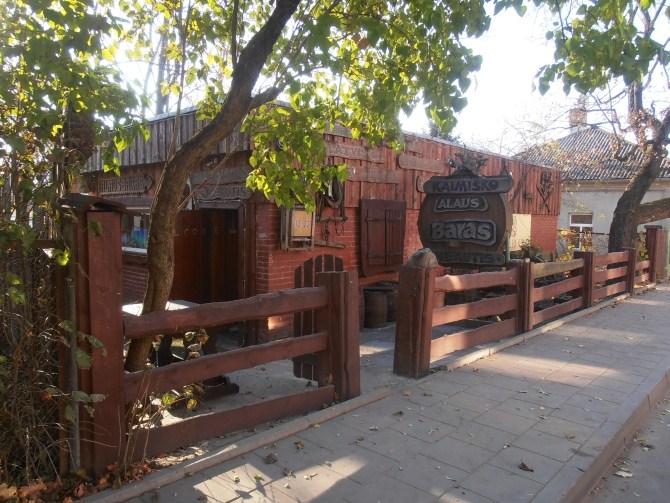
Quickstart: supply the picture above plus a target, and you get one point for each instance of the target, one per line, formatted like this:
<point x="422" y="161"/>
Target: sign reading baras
<point x="466" y="217"/>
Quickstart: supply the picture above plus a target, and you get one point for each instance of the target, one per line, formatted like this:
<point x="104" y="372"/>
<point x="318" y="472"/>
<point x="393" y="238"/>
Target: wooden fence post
<point x="340" y="365"/>
<point x="657" y="246"/>
<point x="414" y="323"/>
<point x="522" y="290"/>
<point x="106" y="302"/>
<point x="632" y="264"/>
<point x="588" y="274"/>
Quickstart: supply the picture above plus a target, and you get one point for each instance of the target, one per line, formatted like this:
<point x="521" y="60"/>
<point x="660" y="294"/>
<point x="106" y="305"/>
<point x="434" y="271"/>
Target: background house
<point x="593" y="179"/>
<point x="233" y="243"/>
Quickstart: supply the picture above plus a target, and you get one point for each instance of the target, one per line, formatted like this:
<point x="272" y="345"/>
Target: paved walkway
<point x="538" y="421"/>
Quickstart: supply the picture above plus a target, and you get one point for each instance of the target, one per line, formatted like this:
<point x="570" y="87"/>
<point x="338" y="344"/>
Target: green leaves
<point x="605" y="40"/>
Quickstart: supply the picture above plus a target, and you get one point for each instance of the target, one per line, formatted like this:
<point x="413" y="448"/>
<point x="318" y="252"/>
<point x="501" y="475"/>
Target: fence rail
<point x="509" y="302"/>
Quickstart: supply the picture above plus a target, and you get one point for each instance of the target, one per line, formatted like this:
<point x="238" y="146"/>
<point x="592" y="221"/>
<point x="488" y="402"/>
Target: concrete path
<point x="539" y="421"/>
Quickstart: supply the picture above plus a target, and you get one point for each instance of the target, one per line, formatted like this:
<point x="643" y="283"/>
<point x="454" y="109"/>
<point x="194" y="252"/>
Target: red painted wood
<point x="554" y="289"/>
<point x="481" y="308"/>
<point x="463" y="340"/>
<point x="473" y="281"/>
<point x="188" y="431"/>
<point x="556" y="311"/>
<point x="173" y="376"/>
<point x="221" y="313"/>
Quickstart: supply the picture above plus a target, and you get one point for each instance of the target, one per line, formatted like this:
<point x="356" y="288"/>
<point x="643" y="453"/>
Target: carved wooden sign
<point x="230" y="192"/>
<point x="125" y="185"/>
<point x="465" y="218"/>
<point x="406" y="161"/>
<point x="359" y="152"/>
<point x="374" y="175"/>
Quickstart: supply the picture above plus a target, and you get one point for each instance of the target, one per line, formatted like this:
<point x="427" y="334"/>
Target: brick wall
<point x="543" y="232"/>
<point x="134" y="278"/>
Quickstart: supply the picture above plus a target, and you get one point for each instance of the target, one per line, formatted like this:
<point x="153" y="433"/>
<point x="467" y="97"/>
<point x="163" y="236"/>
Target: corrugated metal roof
<point x="590" y="154"/>
<point x="161" y="130"/>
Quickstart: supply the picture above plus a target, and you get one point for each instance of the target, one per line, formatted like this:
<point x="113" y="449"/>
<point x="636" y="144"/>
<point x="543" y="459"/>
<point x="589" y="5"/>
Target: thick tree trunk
<point x="623" y="231"/>
<point x="238" y="102"/>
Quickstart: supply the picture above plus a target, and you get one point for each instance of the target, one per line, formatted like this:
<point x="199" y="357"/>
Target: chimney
<point x="577" y="115"/>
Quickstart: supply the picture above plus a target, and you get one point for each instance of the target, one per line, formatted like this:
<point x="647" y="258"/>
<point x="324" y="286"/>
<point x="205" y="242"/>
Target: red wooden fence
<point x="335" y="342"/>
<point x="512" y="301"/>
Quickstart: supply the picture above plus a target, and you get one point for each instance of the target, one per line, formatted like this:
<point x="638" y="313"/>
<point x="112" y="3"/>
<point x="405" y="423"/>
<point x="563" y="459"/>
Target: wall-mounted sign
<point x="297" y="228"/>
<point x="231" y="192"/>
<point x="359" y="152"/>
<point x="125" y="185"/>
<point x="465" y="218"/>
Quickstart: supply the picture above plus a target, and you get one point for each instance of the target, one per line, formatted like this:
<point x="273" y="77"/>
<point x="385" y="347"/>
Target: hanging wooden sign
<point x="465" y="218"/>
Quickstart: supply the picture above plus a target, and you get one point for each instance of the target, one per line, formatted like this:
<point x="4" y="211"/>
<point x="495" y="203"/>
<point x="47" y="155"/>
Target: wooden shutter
<point x="382" y="235"/>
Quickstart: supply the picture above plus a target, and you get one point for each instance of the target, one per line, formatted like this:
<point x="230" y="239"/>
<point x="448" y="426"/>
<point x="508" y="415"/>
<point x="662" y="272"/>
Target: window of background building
<point x="581" y="225"/>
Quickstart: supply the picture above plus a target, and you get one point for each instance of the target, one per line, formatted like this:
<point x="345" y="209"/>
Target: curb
<point x="187" y="468"/>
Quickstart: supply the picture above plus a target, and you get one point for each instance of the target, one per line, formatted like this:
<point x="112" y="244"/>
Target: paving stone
<point x="449" y="414"/>
<point x="486" y="437"/>
<point x="428" y="475"/>
<point x="360" y="464"/>
<point x="510" y="423"/>
<point x="314" y="484"/>
<point x="463" y="495"/>
<point x="472" y="402"/>
<point x="377" y="491"/>
<point x="459" y="454"/>
<point x="560" y="449"/>
<point x="501" y="485"/>
<point x="563" y="428"/>
<point x="579" y="415"/>
<point x="512" y="458"/>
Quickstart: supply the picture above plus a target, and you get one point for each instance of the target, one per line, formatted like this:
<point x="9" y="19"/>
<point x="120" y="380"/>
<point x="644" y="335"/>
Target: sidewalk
<point x="537" y="421"/>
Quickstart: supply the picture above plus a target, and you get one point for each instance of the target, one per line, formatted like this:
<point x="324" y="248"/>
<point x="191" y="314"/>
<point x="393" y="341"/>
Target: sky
<point x="501" y="100"/>
<point x="502" y="105"/>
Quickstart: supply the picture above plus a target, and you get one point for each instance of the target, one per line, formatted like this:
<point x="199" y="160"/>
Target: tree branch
<point x="653" y="211"/>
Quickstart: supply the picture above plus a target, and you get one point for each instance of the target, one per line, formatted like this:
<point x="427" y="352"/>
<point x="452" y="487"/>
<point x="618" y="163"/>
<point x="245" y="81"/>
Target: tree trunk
<point x="623" y="231"/>
<point x="162" y="227"/>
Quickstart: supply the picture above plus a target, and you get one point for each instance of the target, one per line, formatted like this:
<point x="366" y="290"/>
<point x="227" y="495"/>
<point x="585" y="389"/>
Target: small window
<point x="135" y="231"/>
<point x="581" y="227"/>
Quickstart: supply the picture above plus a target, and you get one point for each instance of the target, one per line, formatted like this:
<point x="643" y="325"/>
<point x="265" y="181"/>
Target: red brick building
<point x="232" y="243"/>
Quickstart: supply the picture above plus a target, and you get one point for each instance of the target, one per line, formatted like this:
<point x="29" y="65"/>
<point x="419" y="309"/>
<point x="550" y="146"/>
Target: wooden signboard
<point x="465" y="218"/>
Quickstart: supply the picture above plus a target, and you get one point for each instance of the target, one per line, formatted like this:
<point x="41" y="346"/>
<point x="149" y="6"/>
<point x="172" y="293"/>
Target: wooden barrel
<point x="376" y="308"/>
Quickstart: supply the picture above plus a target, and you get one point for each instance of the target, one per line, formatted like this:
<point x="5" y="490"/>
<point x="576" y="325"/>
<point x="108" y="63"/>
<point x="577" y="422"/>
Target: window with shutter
<point x="382" y="235"/>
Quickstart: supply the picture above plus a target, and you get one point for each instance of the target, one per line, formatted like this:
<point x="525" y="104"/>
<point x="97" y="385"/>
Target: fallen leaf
<point x="270" y="458"/>
<point x="526" y="467"/>
<point x="407" y="393"/>
<point x="236" y="479"/>
<point x="300" y="445"/>
<point x="569" y="437"/>
<point x="258" y="476"/>
<point x="623" y="474"/>
<point x="373" y="428"/>
<point x="399" y="413"/>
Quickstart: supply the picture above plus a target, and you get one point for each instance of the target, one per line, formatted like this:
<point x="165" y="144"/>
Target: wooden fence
<point x="509" y="302"/>
<point x="104" y="436"/>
